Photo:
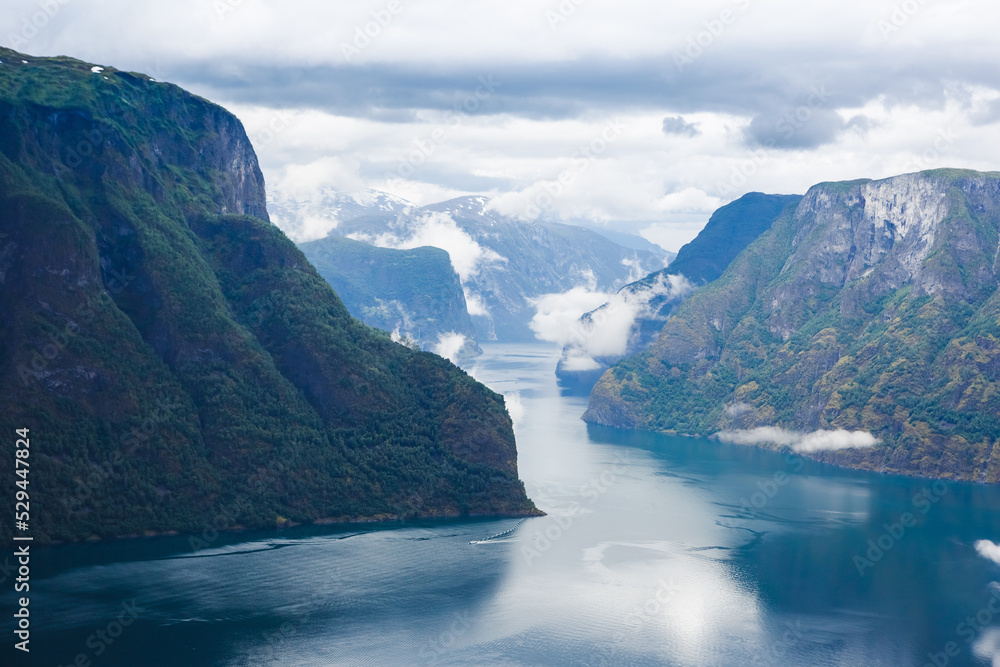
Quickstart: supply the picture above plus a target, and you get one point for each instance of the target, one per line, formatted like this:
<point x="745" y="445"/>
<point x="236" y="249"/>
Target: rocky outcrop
<point x="872" y="306"/>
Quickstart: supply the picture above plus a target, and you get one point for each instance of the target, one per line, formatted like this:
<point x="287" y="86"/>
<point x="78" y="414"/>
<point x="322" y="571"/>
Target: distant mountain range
<point x="868" y="314"/>
<point x="307" y="218"/>
<point x="178" y="363"/>
<point x="503" y="264"/>
<point x="635" y="315"/>
<point x="626" y="240"/>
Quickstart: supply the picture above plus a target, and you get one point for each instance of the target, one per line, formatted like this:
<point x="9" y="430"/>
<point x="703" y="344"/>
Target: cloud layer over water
<point x="800" y="441"/>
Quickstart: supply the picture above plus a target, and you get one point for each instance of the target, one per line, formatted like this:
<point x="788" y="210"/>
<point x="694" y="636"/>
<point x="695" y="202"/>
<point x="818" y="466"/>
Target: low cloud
<point x="737" y="409"/>
<point x="799" y="441"/>
<point x="795" y="128"/>
<point x="833" y="440"/>
<point x="440" y="230"/>
<point x="593" y="325"/>
<point x="636" y="270"/>
<point x="303" y="201"/>
<point x="449" y="345"/>
<point x="988" y="550"/>
<point x="557" y="315"/>
<point x="515" y="407"/>
<point x="404" y="338"/>
<point x="475" y="304"/>
<point x="676" y="125"/>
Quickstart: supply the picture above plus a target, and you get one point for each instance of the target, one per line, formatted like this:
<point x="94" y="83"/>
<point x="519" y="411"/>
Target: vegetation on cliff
<point x="872" y="305"/>
<point x="413" y="293"/>
<point x="178" y="361"/>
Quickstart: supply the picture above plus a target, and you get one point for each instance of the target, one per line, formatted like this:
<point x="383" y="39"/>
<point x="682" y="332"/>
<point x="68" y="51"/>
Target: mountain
<point x="307" y="218"/>
<point x="179" y="363"/>
<point x="728" y="231"/>
<point x="635" y="242"/>
<point x="415" y="294"/>
<point x="644" y="305"/>
<point x="504" y="263"/>
<point x="871" y="306"/>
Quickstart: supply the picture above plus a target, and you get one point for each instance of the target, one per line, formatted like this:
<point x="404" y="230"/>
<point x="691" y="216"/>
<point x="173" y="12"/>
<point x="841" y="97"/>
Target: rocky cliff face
<point x="872" y="306"/>
<point x="413" y="294"/>
<point x="179" y="363"/>
<point x="649" y="302"/>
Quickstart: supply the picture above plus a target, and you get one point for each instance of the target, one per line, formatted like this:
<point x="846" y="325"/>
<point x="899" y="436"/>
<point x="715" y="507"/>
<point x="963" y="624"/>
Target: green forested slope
<point x="180" y="364"/>
<point x="871" y="306"/>
<point x="414" y="292"/>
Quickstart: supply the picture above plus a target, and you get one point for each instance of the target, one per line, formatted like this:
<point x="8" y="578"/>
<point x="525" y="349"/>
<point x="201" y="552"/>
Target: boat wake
<point x="499" y="536"/>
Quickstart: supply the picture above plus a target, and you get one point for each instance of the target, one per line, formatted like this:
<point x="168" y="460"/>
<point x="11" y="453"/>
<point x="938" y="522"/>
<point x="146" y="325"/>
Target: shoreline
<point x="381" y="520"/>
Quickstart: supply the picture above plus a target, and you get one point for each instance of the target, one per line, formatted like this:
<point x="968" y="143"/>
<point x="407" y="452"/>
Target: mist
<point x="799" y="441"/>
<point x="449" y="345"/>
<point x="606" y="331"/>
<point x="988" y="550"/>
<point x="439" y="230"/>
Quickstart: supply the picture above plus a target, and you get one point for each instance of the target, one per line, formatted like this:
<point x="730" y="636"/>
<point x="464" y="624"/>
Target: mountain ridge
<point x="505" y="263"/>
<point x="872" y="306"/>
<point x="651" y="300"/>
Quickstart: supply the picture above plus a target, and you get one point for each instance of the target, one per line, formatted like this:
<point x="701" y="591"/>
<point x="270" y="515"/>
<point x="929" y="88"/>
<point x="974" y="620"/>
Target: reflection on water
<point x="656" y="550"/>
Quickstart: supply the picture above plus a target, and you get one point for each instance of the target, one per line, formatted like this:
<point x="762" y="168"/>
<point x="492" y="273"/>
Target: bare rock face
<point x="870" y="306"/>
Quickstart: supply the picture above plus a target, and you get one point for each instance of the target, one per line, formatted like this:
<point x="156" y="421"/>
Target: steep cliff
<point x="413" y="294"/>
<point x="648" y="302"/>
<point x="871" y="306"/>
<point x="178" y="361"/>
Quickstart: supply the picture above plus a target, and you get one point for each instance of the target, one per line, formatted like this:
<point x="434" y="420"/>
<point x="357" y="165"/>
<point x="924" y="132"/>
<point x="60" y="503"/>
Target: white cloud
<point x="309" y="180"/>
<point x="515" y="407"/>
<point x="833" y="440"/>
<point x="988" y="550"/>
<point x="689" y="200"/>
<point x="556" y="315"/>
<point x="511" y="150"/>
<point x="475" y="304"/>
<point x="642" y="183"/>
<point x="737" y="409"/>
<point x="449" y="345"/>
<point x="800" y="441"/>
<point x="635" y="269"/>
<point x="607" y="331"/>
<point x="404" y="339"/>
<point x="439" y="230"/>
<point x="516" y="30"/>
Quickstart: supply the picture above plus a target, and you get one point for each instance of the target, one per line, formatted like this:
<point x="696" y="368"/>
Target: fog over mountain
<point x="511" y="271"/>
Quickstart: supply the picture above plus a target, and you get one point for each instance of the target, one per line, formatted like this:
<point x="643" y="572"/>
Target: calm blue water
<point x="656" y="551"/>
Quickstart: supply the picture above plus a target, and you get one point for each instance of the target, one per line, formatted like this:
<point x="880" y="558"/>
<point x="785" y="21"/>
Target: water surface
<point x="656" y="550"/>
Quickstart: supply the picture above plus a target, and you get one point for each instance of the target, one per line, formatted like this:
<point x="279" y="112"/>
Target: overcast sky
<point x="638" y="115"/>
